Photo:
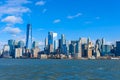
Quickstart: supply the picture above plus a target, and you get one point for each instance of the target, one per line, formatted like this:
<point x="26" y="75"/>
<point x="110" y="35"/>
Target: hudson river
<point x="36" y="69"/>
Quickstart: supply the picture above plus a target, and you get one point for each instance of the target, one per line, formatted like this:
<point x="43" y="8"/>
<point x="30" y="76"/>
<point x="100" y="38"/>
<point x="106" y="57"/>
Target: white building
<point x="18" y="52"/>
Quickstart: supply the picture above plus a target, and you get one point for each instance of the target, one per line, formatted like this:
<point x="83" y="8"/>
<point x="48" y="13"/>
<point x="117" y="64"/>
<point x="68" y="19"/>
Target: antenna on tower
<point x="29" y="18"/>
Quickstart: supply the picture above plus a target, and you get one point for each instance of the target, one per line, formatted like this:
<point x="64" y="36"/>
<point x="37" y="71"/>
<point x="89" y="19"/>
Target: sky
<point x="95" y="19"/>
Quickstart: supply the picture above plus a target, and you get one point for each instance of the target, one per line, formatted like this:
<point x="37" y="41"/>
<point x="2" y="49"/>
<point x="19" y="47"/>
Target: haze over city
<point x="75" y="19"/>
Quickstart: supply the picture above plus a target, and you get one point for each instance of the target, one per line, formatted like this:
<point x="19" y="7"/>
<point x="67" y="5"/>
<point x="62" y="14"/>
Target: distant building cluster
<point x="56" y="48"/>
<point x="79" y="49"/>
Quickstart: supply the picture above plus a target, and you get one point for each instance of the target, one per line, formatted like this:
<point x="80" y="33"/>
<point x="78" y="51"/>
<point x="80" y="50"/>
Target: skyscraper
<point x="51" y="39"/>
<point x="63" y="41"/>
<point x="78" y="49"/>
<point x="11" y="44"/>
<point x="21" y="44"/>
<point x="117" y="48"/>
<point x="46" y="42"/>
<point x="29" y="37"/>
<point x="35" y="44"/>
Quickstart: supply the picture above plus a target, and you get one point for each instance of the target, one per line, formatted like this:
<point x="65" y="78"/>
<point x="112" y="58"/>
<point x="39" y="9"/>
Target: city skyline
<point x="94" y="19"/>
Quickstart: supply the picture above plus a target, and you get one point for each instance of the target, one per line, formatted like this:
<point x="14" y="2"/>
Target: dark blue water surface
<point x="36" y="69"/>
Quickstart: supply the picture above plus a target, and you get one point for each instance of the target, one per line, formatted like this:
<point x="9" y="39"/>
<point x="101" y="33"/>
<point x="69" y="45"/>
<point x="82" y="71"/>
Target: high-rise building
<point x="46" y="42"/>
<point x="83" y="40"/>
<point x="18" y="52"/>
<point x="55" y="45"/>
<point x="97" y="51"/>
<point x="11" y="44"/>
<point x="63" y="41"/>
<point x="21" y="44"/>
<point x="107" y="50"/>
<point x="35" y="44"/>
<point x="72" y="48"/>
<point x="35" y="52"/>
<point x="117" y="48"/>
<point x="51" y="39"/>
<point x="78" y="49"/>
<point x="29" y="37"/>
<point x="6" y="51"/>
<point x="89" y="48"/>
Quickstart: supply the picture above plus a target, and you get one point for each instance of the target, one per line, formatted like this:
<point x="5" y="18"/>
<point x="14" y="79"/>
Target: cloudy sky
<point x="74" y="18"/>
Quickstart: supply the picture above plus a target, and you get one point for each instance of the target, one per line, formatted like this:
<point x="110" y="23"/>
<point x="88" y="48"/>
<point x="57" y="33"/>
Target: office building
<point x="21" y="44"/>
<point x="6" y="51"/>
<point x="11" y="44"/>
<point x="35" y="52"/>
<point x="78" y="53"/>
<point x="117" y="48"/>
<point x="107" y="50"/>
<point x="55" y="45"/>
<point x="89" y="48"/>
<point x="46" y="42"/>
<point x="29" y="37"/>
<point x="35" y="44"/>
<point x="51" y="40"/>
<point x="18" y="52"/>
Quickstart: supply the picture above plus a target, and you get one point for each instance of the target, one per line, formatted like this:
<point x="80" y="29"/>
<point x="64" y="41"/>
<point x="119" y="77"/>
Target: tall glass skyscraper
<point x="51" y="39"/>
<point x="11" y="44"/>
<point x="29" y="37"/>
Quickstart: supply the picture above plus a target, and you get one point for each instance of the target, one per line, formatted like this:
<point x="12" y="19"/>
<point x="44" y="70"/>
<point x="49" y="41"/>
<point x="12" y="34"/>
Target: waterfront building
<point x="84" y="50"/>
<point x="18" y="52"/>
<point x="78" y="49"/>
<point x="107" y="50"/>
<point x="1" y="52"/>
<point x="35" y="52"/>
<point x="72" y="48"/>
<point x="6" y="51"/>
<point x="11" y="44"/>
<point x="46" y="42"/>
<point x="29" y="36"/>
<point x="55" y="45"/>
<point x="117" y="48"/>
<point x="63" y="43"/>
<point x="43" y="56"/>
<point x="51" y="39"/>
<point x="50" y="48"/>
<point x="83" y="40"/>
<point x="97" y="51"/>
<point x="60" y="45"/>
<point x="89" y="49"/>
<point x="63" y="40"/>
<point x="64" y="49"/>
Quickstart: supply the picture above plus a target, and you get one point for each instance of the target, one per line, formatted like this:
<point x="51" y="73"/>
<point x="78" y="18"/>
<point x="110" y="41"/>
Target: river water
<point x="36" y="69"/>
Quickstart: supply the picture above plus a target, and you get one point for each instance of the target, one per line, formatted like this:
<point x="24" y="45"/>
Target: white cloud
<point x="12" y="30"/>
<point x="12" y="19"/>
<point x="14" y="7"/>
<point x="44" y="10"/>
<point x="57" y="21"/>
<point x="40" y="3"/>
<point x="18" y="2"/>
<point x="13" y="10"/>
<point x="74" y="16"/>
<point x="41" y="43"/>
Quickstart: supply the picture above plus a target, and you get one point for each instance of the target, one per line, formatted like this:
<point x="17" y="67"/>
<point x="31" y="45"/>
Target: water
<point x="36" y="69"/>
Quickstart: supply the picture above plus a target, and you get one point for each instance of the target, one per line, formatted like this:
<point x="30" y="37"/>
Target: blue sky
<point x="74" y="18"/>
